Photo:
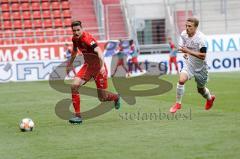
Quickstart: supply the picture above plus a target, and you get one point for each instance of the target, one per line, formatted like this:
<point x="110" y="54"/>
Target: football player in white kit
<point x="193" y="44"/>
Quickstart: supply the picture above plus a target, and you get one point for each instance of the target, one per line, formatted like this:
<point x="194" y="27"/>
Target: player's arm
<point x="99" y="52"/>
<point x="201" y="54"/>
<point x="73" y="56"/>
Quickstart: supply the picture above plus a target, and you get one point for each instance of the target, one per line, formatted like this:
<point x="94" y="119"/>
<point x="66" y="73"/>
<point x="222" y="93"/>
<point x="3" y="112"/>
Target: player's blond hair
<point x="193" y="20"/>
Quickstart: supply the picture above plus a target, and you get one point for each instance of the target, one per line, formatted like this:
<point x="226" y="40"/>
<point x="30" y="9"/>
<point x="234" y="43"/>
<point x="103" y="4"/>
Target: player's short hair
<point x="193" y="20"/>
<point x="76" y="23"/>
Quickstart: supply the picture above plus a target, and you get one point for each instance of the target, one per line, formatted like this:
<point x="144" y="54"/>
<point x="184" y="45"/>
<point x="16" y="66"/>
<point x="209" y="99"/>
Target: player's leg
<point x="103" y="94"/>
<point x="130" y="66"/>
<point x="115" y="70"/>
<point x="77" y="83"/>
<point x="170" y="65"/>
<point x="175" y="63"/>
<point x="81" y="78"/>
<point x="201" y="79"/>
<point x="183" y="77"/>
<point x="138" y="67"/>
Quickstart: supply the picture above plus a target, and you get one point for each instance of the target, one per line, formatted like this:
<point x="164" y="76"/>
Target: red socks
<point x="76" y="102"/>
<point x="111" y="97"/>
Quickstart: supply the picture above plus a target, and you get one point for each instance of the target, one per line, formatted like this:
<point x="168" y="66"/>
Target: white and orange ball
<point x="26" y="124"/>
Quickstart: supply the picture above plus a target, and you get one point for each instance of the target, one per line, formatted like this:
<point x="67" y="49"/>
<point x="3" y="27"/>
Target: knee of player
<point x="74" y="87"/>
<point x="181" y="82"/>
<point x="102" y="99"/>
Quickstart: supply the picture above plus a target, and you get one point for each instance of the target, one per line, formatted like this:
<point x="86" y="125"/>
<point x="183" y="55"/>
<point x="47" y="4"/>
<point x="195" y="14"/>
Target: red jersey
<point x="86" y="43"/>
<point x="171" y="44"/>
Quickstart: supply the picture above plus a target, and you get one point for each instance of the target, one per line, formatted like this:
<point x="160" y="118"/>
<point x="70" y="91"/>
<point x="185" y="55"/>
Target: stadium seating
<point x="115" y="19"/>
<point x="30" y="20"/>
<point x="26" y="15"/>
<point x="36" y="14"/>
<point x="25" y="6"/>
<point x="85" y="12"/>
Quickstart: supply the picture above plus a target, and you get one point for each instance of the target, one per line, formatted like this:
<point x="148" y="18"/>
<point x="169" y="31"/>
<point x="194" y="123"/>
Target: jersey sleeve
<point x="90" y="41"/>
<point x="202" y="42"/>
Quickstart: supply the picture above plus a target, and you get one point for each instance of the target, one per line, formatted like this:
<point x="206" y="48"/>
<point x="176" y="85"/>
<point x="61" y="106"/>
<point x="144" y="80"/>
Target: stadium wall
<point x="36" y="62"/>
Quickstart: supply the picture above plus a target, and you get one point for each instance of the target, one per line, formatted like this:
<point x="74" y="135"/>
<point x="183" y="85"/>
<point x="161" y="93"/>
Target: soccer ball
<point x="26" y="124"/>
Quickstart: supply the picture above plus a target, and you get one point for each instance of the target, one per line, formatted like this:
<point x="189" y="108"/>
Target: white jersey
<point x="194" y="43"/>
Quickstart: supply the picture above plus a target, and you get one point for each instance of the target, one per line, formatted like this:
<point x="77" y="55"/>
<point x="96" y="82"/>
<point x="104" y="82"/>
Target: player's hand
<point x="102" y="70"/>
<point x="184" y="50"/>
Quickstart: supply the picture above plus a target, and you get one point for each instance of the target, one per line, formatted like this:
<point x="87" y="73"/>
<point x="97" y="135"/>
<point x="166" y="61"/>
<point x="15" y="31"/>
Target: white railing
<point x="99" y="12"/>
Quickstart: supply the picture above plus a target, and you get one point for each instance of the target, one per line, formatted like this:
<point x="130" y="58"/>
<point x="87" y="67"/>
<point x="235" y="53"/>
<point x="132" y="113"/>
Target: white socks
<point x="180" y="92"/>
<point x="207" y="94"/>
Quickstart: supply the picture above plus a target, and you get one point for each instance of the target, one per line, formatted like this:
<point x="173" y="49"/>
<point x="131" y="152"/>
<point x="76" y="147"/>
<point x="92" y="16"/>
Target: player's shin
<point x="205" y="93"/>
<point x="179" y="92"/>
<point x="76" y="101"/>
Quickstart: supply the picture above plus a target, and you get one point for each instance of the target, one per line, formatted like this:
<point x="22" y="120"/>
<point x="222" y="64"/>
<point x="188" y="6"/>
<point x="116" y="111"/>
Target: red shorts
<point x="134" y="60"/>
<point x="173" y="59"/>
<point x="120" y="62"/>
<point x="89" y="71"/>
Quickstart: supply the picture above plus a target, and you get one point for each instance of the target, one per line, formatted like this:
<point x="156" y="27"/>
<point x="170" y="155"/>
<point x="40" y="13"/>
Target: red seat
<point x="29" y="33"/>
<point x="16" y="15"/>
<point x="15" y="7"/>
<point x="26" y="15"/>
<point x="46" y="14"/>
<point x="36" y="15"/>
<point x="63" y="39"/>
<point x="69" y="38"/>
<point x="4" y="1"/>
<point x="19" y="41"/>
<point x="18" y="33"/>
<point x="25" y="6"/>
<point x="27" y="24"/>
<point x="37" y="23"/>
<point x="17" y="24"/>
<point x="49" y="32"/>
<point x="60" y="32"/>
<point x="40" y="39"/>
<point x="39" y="32"/>
<point x="67" y="22"/>
<point x="48" y="23"/>
<point x="69" y="32"/>
<point x="55" y="5"/>
<point x="7" y="24"/>
<point x="1" y="42"/>
<point x="14" y="1"/>
<point x="7" y="41"/>
<point x="5" y="7"/>
<point x="66" y="13"/>
<point x="6" y="16"/>
<point x="45" y="5"/>
<point x="35" y="6"/>
<point x="58" y="22"/>
<point x="65" y="5"/>
<point x="56" y="14"/>
<point x="50" y="39"/>
<point x="29" y="40"/>
<point x="8" y="34"/>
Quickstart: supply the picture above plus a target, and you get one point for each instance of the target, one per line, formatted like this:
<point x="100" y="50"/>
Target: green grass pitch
<point x="211" y="134"/>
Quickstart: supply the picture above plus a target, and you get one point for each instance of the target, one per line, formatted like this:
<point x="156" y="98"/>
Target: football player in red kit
<point x="93" y="67"/>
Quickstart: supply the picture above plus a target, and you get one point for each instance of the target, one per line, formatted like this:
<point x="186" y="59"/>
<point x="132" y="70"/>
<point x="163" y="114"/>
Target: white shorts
<point x="201" y="76"/>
